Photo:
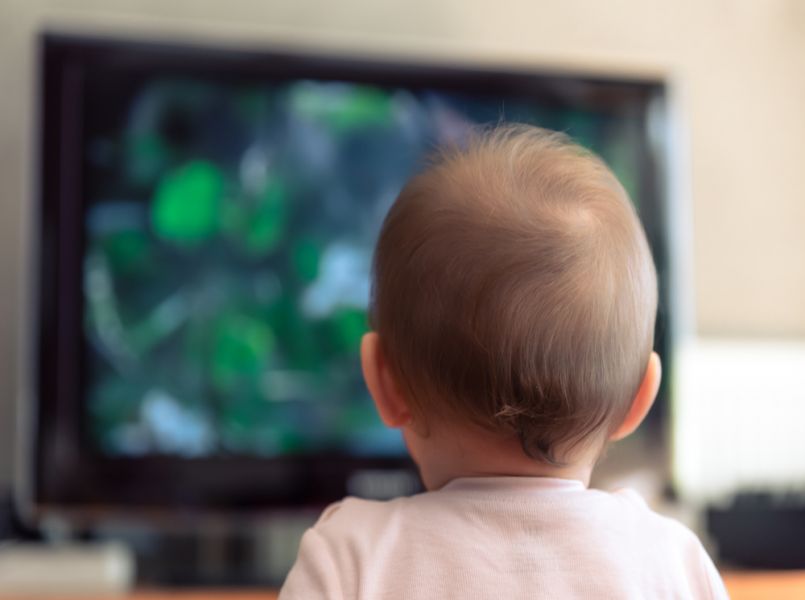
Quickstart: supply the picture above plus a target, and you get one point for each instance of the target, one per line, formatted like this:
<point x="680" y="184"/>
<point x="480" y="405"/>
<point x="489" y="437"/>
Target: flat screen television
<point x="205" y="230"/>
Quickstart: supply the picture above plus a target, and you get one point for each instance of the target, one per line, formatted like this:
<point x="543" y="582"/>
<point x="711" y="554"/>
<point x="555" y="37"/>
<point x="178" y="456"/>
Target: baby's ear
<point x="643" y="400"/>
<point x="391" y="404"/>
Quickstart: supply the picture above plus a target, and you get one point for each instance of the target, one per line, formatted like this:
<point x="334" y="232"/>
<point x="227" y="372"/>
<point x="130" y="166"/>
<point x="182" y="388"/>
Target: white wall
<point x="739" y="66"/>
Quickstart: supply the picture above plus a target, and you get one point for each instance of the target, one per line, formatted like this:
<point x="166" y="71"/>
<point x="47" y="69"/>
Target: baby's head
<point x="514" y="296"/>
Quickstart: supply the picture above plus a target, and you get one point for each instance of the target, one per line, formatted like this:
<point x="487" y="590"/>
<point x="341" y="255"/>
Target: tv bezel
<point x="64" y="475"/>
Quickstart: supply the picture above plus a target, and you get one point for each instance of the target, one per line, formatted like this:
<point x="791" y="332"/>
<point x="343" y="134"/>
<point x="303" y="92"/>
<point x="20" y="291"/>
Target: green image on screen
<point x="228" y="246"/>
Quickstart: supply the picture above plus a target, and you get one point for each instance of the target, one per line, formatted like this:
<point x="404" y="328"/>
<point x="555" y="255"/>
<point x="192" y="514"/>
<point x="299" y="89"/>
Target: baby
<point x="513" y="315"/>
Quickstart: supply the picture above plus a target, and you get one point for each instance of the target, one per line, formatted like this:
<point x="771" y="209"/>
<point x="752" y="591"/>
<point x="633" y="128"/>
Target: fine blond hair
<point x="514" y="289"/>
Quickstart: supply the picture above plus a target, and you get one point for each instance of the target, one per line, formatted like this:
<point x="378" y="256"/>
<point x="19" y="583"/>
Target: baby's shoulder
<point x="653" y="524"/>
<point x="357" y="516"/>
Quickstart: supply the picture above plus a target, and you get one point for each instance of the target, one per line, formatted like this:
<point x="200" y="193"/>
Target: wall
<point x="737" y="66"/>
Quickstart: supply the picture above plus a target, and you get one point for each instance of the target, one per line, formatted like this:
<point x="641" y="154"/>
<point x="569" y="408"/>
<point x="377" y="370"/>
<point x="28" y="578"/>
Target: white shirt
<point x="501" y="537"/>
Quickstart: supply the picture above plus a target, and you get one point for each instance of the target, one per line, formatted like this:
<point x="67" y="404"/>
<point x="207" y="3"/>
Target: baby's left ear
<point x="643" y="400"/>
<point x="391" y="404"/>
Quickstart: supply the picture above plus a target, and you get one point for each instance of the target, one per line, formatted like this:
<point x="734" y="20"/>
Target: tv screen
<point x="208" y="219"/>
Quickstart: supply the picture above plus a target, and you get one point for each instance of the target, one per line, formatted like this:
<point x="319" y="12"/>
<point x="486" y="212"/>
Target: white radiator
<point x="738" y="417"/>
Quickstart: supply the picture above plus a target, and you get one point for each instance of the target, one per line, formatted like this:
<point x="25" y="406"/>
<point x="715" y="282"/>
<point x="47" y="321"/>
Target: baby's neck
<point x="469" y="452"/>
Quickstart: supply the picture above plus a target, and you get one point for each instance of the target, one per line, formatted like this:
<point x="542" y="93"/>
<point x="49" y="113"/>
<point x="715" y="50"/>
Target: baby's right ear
<point x="644" y="399"/>
<point x="391" y="404"/>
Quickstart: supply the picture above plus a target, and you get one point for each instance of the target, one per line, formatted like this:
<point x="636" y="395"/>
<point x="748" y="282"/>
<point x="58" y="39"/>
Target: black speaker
<point x="761" y="530"/>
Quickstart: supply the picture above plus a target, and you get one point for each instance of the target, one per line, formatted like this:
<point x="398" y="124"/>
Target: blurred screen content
<point x="228" y="241"/>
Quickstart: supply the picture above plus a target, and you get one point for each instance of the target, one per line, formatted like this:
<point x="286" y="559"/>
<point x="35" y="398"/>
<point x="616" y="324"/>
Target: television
<point x="206" y="219"/>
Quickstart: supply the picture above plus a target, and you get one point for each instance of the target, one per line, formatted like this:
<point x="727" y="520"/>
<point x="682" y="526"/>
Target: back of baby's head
<point x="514" y="289"/>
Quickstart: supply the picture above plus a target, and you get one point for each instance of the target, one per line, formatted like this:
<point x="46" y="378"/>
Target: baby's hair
<point x="514" y="289"/>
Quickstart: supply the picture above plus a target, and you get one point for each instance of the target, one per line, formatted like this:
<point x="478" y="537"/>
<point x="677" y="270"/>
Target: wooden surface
<point x="785" y="585"/>
<point x="206" y="595"/>
<point x="780" y="585"/>
<point x="776" y="585"/>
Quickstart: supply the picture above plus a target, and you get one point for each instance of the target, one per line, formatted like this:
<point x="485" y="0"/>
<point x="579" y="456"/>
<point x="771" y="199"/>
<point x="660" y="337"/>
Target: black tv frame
<point x="64" y="474"/>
